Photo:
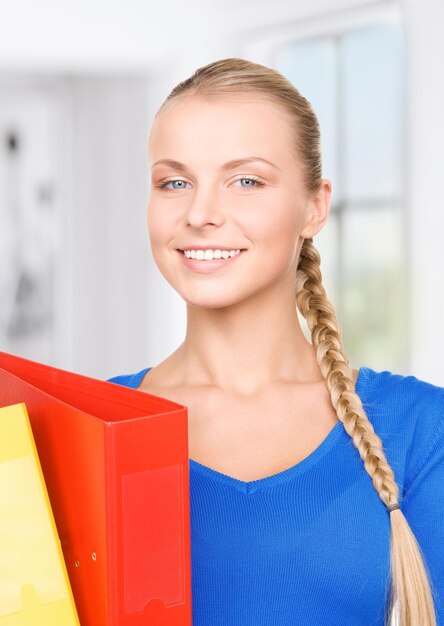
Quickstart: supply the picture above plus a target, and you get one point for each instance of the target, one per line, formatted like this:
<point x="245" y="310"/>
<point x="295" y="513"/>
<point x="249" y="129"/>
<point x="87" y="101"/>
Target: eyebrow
<point x="230" y="165"/>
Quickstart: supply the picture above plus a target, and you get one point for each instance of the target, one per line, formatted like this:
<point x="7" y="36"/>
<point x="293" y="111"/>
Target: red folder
<point x="115" y="463"/>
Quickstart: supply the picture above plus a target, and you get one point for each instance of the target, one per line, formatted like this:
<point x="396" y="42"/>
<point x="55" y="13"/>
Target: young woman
<point x="309" y="479"/>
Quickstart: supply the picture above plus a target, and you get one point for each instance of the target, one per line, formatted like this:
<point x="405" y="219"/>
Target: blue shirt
<point x="309" y="546"/>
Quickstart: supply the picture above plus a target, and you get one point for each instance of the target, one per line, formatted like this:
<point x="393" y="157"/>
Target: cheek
<point x="158" y="226"/>
<point x="278" y="233"/>
<point x="157" y="237"/>
<point x="277" y="224"/>
<point x="162" y="229"/>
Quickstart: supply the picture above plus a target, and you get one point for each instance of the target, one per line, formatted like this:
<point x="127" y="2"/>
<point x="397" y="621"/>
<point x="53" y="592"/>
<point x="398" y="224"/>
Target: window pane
<point x="373" y="314"/>
<point x="355" y="82"/>
<point x="311" y="67"/>
<point x="372" y="94"/>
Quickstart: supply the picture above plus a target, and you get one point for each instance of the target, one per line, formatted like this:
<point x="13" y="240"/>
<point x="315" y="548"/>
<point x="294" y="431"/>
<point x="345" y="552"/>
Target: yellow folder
<point x="34" y="584"/>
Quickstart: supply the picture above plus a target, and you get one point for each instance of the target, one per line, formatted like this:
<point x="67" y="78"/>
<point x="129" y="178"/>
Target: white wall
<point x="104" y="296"/>
<point x="424" y="21"/>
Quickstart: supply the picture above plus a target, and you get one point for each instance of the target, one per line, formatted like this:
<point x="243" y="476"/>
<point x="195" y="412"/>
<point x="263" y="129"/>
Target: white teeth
<point x="207" y="255"/>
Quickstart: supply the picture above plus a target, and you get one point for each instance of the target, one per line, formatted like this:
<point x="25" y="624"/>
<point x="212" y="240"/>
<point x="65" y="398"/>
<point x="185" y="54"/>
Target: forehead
<point x="225" y="126"/>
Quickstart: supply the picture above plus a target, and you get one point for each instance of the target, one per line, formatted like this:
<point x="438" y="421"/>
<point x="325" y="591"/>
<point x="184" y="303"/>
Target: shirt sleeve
<point x="423" y="507"/>
<point x="129" y="380"/>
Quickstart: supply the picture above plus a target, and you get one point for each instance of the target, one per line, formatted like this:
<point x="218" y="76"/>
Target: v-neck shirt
<point x="310" y="545"/>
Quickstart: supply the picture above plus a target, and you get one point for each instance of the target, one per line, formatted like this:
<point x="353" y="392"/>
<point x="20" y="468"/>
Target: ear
<point x="318" y="207"/>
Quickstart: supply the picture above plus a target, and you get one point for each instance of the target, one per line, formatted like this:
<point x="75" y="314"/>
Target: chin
<point x="207" y="301"/>
<point x="209" y="304"/>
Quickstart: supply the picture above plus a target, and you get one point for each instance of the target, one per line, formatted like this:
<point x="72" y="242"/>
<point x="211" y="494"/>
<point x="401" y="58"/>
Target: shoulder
<point x="403" y="393"/>
<point x="406" y="396"/>
<point x="129" y="380"/>
<point x="408" y="415"/>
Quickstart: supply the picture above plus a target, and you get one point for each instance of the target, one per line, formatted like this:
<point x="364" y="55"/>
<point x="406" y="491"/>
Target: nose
<point x="204" y="208"/>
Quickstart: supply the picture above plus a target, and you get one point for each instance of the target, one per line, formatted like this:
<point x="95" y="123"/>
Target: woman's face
<point x="202" y="197"/>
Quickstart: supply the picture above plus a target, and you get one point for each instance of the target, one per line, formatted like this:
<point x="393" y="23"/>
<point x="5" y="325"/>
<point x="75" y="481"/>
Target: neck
<point x="247" y="346"/>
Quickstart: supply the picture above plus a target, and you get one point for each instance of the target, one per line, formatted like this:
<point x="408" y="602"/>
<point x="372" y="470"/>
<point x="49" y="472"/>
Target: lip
<point x="205" y="267"/>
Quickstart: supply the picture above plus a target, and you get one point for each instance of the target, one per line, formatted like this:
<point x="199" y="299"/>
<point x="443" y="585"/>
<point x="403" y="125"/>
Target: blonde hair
<point x="411" y="599"/>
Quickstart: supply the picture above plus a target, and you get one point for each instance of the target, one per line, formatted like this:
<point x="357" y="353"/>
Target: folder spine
<point x="113" y="505"/>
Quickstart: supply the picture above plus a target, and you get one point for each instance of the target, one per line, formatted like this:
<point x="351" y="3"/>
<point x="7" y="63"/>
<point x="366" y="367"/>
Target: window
<point x="355" y="81"/>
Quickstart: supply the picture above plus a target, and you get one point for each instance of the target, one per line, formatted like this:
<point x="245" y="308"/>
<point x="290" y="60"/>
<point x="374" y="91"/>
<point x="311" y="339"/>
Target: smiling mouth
<point x="222" y="258"/>
<point x="209" y="265"/>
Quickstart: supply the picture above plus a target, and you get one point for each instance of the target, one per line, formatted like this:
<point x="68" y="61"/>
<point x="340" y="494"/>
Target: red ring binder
<point x="115" y="462"/>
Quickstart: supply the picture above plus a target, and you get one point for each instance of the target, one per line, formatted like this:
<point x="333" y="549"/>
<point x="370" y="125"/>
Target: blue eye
<point x="251" y="179"/>
<point x="182" y="182"/>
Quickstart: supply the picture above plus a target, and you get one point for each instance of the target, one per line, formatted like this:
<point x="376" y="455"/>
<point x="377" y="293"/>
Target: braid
<point x="414" y="602"/>
<point x="333" y="362"/>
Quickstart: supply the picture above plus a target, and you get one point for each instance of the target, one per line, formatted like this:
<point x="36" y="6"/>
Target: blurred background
<point x="80" y="83"/>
